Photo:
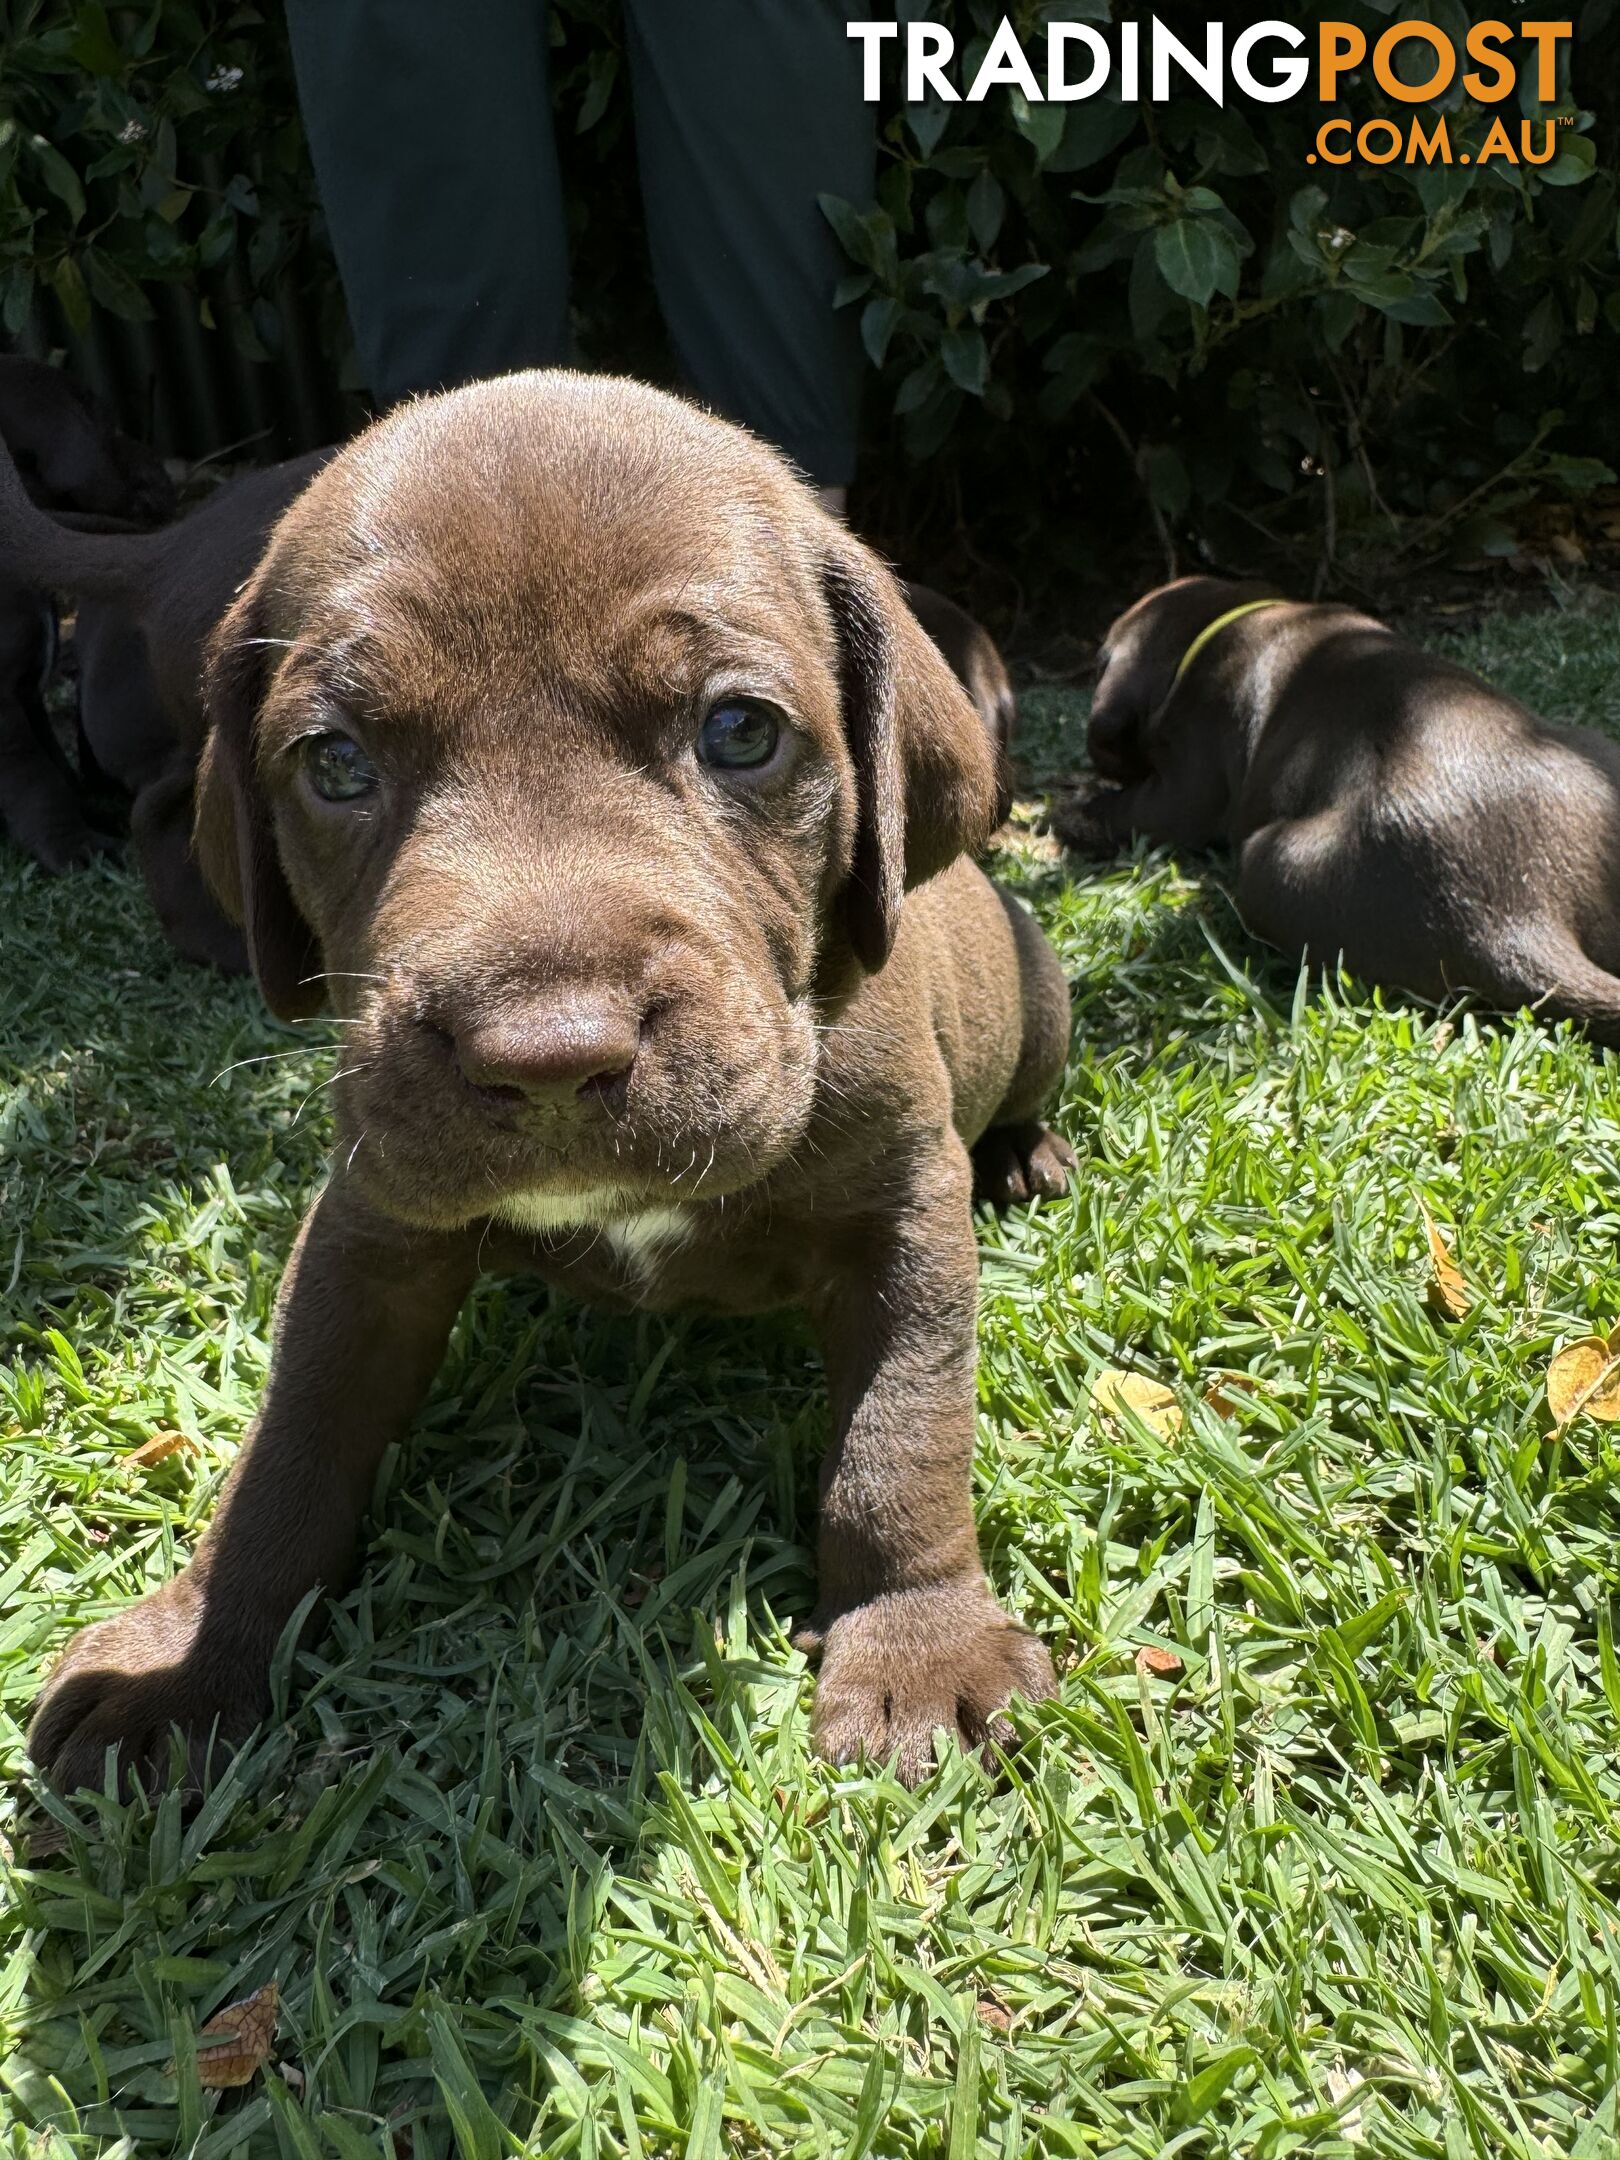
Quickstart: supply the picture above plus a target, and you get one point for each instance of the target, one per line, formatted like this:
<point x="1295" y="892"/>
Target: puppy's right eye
<point x="339" y="770"/>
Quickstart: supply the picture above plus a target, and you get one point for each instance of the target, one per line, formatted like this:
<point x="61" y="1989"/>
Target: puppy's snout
<point x="572" y="1044"/>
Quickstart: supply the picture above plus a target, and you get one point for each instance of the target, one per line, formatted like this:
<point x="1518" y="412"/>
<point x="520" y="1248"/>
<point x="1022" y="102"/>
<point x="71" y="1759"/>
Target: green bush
<point x="142" y="147"/>
<point x="1078" y="315"/>
<point x="1373" y="363"/>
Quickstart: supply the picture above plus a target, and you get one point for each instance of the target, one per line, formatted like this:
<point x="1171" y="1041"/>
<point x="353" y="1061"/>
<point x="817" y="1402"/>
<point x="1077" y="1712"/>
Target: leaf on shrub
<point x="115" y="288"/>
<point x="1042" y="125"/>
<point x="1423" y="309"/>
<point x="242" y="2034"/>
<point x="67" y="282"/>
<point x="1585" y="1375"/>
<point x="927" y="123"/>
<point x="1197" y="257"/>
<point x="966" y="358"/>
<point x="1448" y="1289"/>
<point x="1576" y="161"/>
<point x="1092" y="130"/>
<point x="58" y="175"/>
<point x="1168" y="481"/>
<point x="600" y="75"/>
<point x="986" y="206"/>
<point x="158" y="1449"/>
<point x="860" y="234"/>
<point x="879" y="319"/>
<point x="1153" y="1403"/>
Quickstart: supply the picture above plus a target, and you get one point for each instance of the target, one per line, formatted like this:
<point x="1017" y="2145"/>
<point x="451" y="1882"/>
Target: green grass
<point x="535" y="1848"/>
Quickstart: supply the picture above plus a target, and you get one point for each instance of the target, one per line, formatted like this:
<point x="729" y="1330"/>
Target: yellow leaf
<point x="157" y="1449"/>
<point x="242" y="2034"/>
<point x="1585" y="1375"/>
<point x="1154" y="1660"/>
<point x="1448" y="1292"/>
<point x="1153" y="1403"/>
<point x="1224" y="1388"/>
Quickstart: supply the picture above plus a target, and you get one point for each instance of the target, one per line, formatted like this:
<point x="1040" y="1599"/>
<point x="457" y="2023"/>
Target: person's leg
<point x="430" y="129"/>
<point x="747" y="111"/>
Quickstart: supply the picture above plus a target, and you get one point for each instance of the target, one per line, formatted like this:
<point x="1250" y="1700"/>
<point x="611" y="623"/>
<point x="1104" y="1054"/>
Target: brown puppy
<point x="69" y="458"/>
<point x="622" y="804"/>
<point x="976" y="659"/>
<point x="149" y="603"/>
<point x="1384" y="804"/>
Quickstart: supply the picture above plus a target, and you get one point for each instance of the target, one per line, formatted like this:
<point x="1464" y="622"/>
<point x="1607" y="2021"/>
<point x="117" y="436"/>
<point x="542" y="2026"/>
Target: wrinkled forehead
<point x="430" y="564"/>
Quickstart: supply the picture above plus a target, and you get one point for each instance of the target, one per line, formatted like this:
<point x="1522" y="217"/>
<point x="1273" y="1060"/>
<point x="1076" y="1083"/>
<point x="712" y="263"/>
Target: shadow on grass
<point x="556" y="1641"/>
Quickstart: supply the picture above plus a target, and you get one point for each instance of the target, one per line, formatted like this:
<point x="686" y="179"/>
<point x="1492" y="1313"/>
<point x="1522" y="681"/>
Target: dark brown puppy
<point x="976" y="659"/>
<point x="69" y="458"/>
<point x="622" y="804"/>
<point x="1384" y="804"/>
<point x="148" y="605"/>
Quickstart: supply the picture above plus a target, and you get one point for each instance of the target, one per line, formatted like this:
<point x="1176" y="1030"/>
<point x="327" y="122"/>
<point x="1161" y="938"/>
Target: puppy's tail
<point x="1556" y="979"/>
<point x="44" y="555"/>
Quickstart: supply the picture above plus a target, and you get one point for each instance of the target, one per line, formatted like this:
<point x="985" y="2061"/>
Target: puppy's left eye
<point x="339" y="770"/>
<point x="739" y="735"/>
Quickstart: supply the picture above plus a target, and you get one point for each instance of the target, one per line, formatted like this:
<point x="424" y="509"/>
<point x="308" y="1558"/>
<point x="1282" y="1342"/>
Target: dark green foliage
<point x="147" y="146"/>
<point x="1291" y="357"/>
<point x="1162" y="310"/>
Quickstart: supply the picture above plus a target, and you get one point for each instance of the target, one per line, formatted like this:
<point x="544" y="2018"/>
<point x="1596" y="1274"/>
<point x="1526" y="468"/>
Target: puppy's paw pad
<point x="899" y="1670"/>
<point x="1021" y="1162"/>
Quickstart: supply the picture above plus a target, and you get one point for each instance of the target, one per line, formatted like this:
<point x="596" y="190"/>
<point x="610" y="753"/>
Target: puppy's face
<point x="560" y="737"/>
<point x="1137" y="664"/>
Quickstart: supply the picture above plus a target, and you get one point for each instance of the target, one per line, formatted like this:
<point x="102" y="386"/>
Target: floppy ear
<point x="924" y="768"/>
<point x="232" y="833"/>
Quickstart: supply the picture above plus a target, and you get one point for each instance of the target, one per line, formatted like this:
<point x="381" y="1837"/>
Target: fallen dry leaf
<point x="1585" y="1375"/>
<point x="1224" y="1388"/>
<point x="1153" y="1403"/>
<point x="1448" y="1291"/>
<point x="157" y="1449"/>
<point x="242" y="2033"/>
<point x="1163" y="1662"/>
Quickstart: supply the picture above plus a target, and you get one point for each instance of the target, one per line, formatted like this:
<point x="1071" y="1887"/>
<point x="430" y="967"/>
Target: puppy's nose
<point x="559" y="1048"/>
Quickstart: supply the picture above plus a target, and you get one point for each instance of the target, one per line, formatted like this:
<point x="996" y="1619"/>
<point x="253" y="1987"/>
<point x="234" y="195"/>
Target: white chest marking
<point x="634" y="1238"/>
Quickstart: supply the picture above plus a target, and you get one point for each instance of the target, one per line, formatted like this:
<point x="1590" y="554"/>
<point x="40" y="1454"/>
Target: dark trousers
<point x="430" y="126"/>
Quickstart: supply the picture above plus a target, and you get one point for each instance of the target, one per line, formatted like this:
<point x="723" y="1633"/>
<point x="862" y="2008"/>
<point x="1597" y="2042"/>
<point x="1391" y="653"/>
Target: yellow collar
<point x="1210" y="630"/>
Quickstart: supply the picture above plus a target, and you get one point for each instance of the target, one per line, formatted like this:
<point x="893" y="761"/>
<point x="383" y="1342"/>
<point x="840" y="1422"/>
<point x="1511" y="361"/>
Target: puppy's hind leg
<point x="1317" y="888"/>
<point x="1544" y="967"/>
<point x="1019" y="1157"/>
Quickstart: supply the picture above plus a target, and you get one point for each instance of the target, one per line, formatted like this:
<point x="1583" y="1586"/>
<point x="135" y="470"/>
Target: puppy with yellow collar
<point x="1386" y="806"/>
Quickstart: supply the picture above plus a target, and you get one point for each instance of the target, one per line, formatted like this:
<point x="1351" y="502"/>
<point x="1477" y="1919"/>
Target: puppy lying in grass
<point x="623" y="809"/>
<point x="1384" y="805"/>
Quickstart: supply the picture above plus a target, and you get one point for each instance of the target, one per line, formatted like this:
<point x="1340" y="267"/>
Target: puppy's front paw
<point x="896" y="1670"/>
<point x="1021" y="1162"/>
<point x="127" y="1681"/>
